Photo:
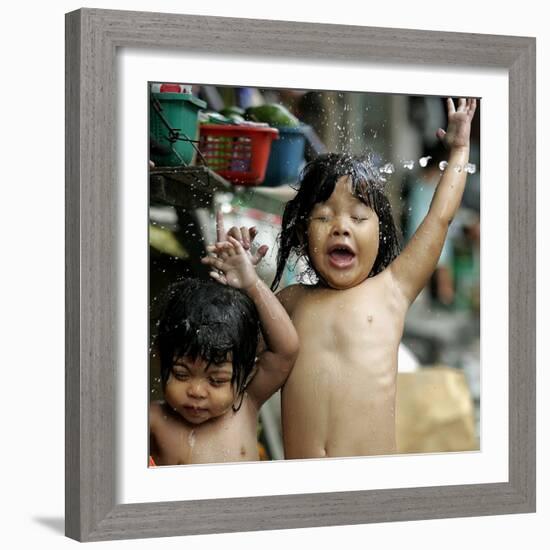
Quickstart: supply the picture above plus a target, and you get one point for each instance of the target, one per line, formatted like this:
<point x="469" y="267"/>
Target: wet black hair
<point x="207" y="320"/>
<point x="316" y="184"/>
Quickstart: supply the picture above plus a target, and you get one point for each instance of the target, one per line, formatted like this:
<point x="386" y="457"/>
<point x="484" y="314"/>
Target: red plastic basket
<point x="237" y="153"/>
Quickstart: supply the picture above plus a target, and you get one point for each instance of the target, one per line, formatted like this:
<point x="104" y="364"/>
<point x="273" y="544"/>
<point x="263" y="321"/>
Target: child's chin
<point x="194" y="421"/>
<point x="341" y="283"/>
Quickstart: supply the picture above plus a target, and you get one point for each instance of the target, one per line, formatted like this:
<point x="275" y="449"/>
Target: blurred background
<point x="241" y="150"/>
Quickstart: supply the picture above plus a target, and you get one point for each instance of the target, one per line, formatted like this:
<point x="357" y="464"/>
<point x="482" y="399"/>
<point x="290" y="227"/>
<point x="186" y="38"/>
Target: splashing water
<point x="408" y="164"/>
<point x="388" y="168"/>
<point x="470" y="168"/>
<point x="424" y="161"/>
<point x="443" y="165"/>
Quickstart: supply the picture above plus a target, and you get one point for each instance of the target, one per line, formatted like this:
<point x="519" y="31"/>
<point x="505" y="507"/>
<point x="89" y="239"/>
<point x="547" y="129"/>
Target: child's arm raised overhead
<point x="414" y="266"/>
<point x="235" y="268"/>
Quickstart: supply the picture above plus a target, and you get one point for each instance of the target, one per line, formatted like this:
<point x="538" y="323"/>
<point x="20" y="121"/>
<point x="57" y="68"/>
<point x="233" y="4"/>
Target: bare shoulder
<point x="291" y="295"/>
<point x="156" y="413"/>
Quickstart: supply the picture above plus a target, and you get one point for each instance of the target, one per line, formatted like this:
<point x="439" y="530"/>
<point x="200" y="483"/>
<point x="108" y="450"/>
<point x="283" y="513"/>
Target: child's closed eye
<point x="180" y="372"/>
<point x="218" y="381"/>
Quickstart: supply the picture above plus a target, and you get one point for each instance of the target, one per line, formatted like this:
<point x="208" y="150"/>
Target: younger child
<point x="213" y="383"/>
<point x="339" y="399"/>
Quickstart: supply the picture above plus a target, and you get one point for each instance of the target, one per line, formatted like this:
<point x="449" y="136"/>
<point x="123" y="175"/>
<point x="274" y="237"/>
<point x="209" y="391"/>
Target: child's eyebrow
<point x="218" y="366"/>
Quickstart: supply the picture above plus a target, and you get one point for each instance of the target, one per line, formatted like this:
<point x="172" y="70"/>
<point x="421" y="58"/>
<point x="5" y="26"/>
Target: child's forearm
<point x="448" y="194"/>
<point x="277" y="328"/>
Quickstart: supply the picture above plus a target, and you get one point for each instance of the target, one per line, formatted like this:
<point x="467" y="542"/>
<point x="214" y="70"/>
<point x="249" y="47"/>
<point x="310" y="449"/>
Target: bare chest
<point x="349" y="322"/>
<point x="228" y="439"/>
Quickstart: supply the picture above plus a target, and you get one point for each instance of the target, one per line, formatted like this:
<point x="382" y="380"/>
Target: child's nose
<point x="196" y="389"/>
<point x="340" y="228"/>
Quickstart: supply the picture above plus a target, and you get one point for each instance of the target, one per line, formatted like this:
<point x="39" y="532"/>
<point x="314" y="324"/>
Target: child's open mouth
<point x="341" y="256"/>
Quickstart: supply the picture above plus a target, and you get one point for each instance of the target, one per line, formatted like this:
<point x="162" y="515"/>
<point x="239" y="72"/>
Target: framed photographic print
<point x="163" y="115"/>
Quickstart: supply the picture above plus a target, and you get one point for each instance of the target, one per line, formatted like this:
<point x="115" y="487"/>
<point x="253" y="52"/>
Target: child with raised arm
<point x="339" y="399"/>
<point x="213" y="384"/>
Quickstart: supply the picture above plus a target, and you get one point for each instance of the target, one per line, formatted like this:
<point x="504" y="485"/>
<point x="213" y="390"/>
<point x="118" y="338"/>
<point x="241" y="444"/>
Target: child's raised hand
<point x="244" y="235"/>
<point x="458" y="123"/>
<point x="233" y="264"/>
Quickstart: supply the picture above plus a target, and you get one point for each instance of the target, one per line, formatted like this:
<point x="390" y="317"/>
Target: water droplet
<point x="408" y="164"/>
<point x="369" y="318"/>
<point x="424" y="161"/>
<point x="458" y="168"/>
<point x="470" y="168"/>
<point x="387" y="168"/>
<point x="443" y="164"/>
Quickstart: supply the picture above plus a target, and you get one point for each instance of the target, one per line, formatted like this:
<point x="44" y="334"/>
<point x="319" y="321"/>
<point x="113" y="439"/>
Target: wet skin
<point x="339" y="399"/>
<point x="196" y="422"/>
<point x="343" y="238"/>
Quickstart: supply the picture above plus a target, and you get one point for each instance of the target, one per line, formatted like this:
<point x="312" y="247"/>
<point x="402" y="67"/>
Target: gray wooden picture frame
<point x="92" y="39"/>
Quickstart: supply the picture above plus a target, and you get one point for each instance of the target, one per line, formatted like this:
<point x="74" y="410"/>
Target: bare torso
<point x="339" y="399"/>
<point x="228" y="438"/>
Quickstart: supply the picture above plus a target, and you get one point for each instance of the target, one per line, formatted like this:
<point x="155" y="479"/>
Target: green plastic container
<point x="180" y="112"/>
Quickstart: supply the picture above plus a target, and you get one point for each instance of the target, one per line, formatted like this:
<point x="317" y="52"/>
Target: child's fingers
<point x="213" y="262"/>
<point x="216" y="247"/>
<point x="441" y="134"/>
<point x="472" y="106"/>
<point x="260" y="253"/>
<point x="220" y="230"/>
<point x="234" y="232"/>
<point x="248" y="234"/>
<point x="231" y="249"/>
<point x="225" y="250"/>
<point x="450" y="106"/>
<point x="461" y="104"/>
<point x="245" y="237"/>
<point x="243" y="234"/>
<point x="218" y="277"/>
<point x="218" y="250"/>
<point x="237" y="247"/>
<point x="223" y="246"/>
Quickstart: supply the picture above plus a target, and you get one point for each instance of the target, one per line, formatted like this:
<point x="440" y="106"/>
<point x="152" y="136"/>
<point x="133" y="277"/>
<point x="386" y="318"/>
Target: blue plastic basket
<point x="181" y="112"/>
<point x="286" y="157"/>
